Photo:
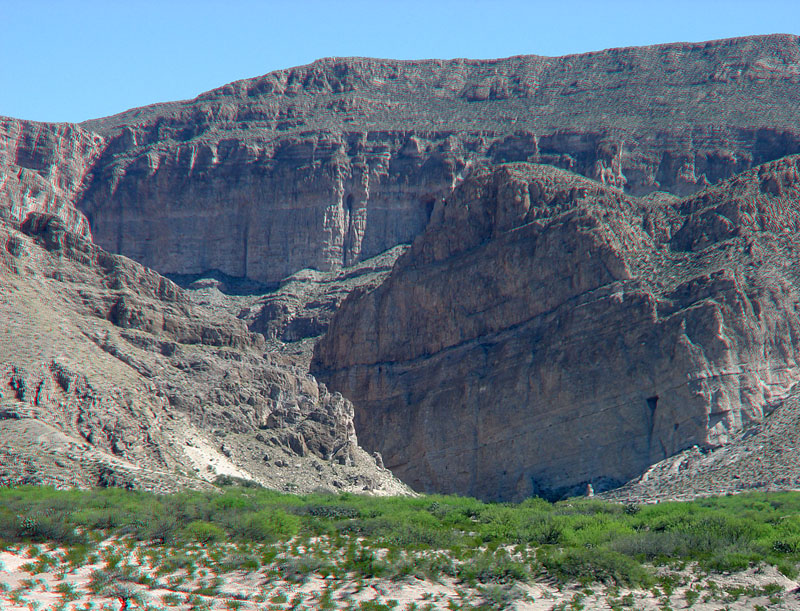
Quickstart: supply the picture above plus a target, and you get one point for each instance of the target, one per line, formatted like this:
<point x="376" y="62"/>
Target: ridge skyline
<point x="70" y="63"/>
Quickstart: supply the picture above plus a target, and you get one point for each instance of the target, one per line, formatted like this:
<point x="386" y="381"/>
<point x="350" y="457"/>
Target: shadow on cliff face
<point x="229" y="285"/>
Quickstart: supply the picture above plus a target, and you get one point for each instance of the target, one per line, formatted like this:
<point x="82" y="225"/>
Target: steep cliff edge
<point x="324" y="165"/>
<point x="547" y="331"/>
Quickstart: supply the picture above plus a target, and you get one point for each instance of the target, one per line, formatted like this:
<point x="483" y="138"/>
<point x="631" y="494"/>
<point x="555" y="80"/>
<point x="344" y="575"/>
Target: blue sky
<point x="73" y="60"/>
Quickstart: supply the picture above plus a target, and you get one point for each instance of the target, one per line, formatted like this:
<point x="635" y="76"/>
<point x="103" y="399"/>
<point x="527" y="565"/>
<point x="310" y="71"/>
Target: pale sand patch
<point x="266" y="588"/>
<point x="203" y="456"/>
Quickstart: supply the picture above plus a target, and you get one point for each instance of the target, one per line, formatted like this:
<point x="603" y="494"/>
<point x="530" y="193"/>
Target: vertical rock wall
<point x="547" y="332"/>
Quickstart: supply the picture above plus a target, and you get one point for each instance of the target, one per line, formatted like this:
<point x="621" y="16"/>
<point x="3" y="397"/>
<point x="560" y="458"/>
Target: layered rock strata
<point x="43" y="168"/>
<point x="110" y="376"/>
<point x="324" y="165"/>
<point x="548" y="332"/>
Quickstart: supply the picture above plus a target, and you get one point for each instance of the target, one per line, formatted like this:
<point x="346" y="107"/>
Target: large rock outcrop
<point x="327" y="164"/>
<point x="547" y="331"/>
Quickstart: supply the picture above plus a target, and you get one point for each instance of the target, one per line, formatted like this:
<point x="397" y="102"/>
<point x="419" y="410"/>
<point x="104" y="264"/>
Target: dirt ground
<point x="37" y="578"/>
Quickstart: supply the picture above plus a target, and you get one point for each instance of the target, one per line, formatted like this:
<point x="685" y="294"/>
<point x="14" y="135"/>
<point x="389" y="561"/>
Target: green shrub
<point x="596" y="540"/>
<point x="374" y="605"/>
<point x="330" y="512"/>
<point x="497" y="567"/>
<point x="366" y="564"/>
<point x="36" y="526"/>
<point x="241" y="562"/>
<point x="596" y="565"/>
<point x="203" y="532"/>
<point x="268" y="525"/>
<point x="160" y="528"/>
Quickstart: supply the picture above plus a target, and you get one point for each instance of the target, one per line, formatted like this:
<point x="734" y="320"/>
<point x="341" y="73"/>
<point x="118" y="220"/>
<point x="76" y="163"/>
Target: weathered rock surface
<point x="43" y="168"/>
<point x="762" y="457"/>
<point x="327" y="164"/>
<point x="109" y="375"/>
<point x="548" y="331"/>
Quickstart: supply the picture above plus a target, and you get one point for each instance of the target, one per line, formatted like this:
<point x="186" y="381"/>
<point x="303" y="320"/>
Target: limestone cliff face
<point x="547" y="331"/>
<point x="263" y="208"/>
<point x="42" y="169"/>
<point x="327" y="164"/>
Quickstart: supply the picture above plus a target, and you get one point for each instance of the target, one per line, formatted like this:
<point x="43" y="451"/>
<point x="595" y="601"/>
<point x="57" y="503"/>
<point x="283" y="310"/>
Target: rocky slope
<point x="548" y="332"/>
<point x="327" y="164"/>
<point x="551" y="328"/>
<point x="110" y="376"/>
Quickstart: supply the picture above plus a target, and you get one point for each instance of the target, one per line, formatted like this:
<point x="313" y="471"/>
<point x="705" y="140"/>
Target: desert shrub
<point x="268" y="525"/>
<point x="204" y="532"/>
<point x="497" y="597"/>
<point x="500" y="523"/>
<point x="366" y="564"/>
<point x="180" y="560"/>
<point x="37" y="526"/>
<point x="172" y="599"/>
<point x="433" y="567"/>
<point x="299" y="570"/>
<point x="241" y="562"/>
<point x="374" y="605"/>
<point x="411" y="531"/>
<point x="542" y="530"/>
<point x="596" y="565"/>
<point x="595" y="539"/>
<point x="730" y="560"/>
<point x="9" y="522"/>
<point x="160" y="528"/>
<point x="592" y="531"/>
<point x="230" y="480"/>
<point x="330" y="512"/>
<point x="67" y="590"/>
<point x="651" y="546"/>
<point x="496" y="567"/>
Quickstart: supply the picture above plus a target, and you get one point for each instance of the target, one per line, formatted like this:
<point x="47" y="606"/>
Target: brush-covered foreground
<point x="251" y="548"/>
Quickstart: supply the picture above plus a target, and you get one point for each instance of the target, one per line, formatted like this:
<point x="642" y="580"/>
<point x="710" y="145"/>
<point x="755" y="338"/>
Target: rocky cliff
<point x="43" y="168"/>
<point x="622" y="289"/>
<point x="110" y="376"/>
<point x="327" y="164"/>
<point x="547" y="331"/>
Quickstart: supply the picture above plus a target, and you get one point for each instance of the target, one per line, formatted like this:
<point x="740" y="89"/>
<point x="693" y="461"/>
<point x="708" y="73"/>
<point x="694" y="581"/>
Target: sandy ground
<point x="37" y="578"/>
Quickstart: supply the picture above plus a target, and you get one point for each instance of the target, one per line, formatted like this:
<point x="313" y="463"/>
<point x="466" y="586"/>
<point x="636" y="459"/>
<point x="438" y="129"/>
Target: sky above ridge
<point x="72" y="60"/>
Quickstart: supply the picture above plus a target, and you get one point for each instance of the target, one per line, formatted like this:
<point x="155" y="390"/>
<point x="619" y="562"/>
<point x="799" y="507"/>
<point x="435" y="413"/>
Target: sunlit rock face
<point x="110" y="376"/>
<point x="547" y="331"/>
<point x="331" y="163"/>
<point x="43" y="168"/>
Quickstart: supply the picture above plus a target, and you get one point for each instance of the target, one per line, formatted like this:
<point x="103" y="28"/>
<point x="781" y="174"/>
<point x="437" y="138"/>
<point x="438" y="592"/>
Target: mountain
<point x="327" y="164"/>
<point x="548" y="332"/>
<point x="601" y="276"/>
<point x="109" y="375"/>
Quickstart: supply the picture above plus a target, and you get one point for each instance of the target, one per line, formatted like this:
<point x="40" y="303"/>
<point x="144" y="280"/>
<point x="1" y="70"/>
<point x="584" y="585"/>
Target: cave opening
<point x="429" y="204"/>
